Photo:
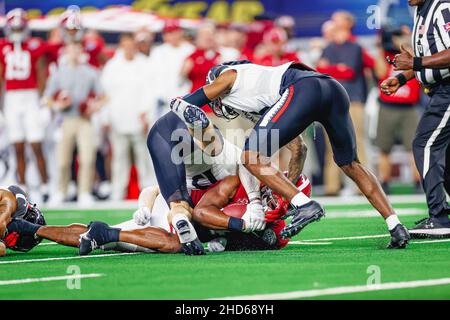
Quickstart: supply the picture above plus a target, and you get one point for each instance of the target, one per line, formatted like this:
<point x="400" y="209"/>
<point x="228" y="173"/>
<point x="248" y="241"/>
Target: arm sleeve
<point x="197" y="98"/>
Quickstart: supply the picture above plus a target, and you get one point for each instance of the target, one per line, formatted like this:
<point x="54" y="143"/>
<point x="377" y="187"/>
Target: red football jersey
<point x="203" y="61"/>
<point x="54" y="50"/>
<point x="92" y="47"/>
<point x="20" y="63"/>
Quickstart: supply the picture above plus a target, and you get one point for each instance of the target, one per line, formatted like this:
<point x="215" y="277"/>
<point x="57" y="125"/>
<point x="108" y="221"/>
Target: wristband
<point x="417" y="63"/>
<point x="401" y="79"/>
<point x="235" y="224"/>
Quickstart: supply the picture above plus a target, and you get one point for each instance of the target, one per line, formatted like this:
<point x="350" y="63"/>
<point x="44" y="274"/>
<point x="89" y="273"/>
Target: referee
<point x="430" y="64"/>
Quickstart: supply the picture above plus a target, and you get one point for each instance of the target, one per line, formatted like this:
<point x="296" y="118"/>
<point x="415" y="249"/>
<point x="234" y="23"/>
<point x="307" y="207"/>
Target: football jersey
<point x="92" y="50"/>
<point x="202" y="170"/>
<point x="256" y="87"/>
<point x="203" y="60"/>
<point x="20" y="63"/>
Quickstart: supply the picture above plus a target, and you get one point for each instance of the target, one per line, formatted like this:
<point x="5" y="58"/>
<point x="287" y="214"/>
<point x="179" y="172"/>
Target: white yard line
<point x="310" y="243"/>
<point x="420" y="198"/>
<point x="369" y="212"/>
<point x="47" y="244"/>
<point x="430" y="241"/>
<point x="48" y="279"/>
<point x="132" y="204"/>
<point x="342" y="290"/>
<point x="325" y="240"/>
<point x="349" y="238"/>
<point x="68" y="258"/>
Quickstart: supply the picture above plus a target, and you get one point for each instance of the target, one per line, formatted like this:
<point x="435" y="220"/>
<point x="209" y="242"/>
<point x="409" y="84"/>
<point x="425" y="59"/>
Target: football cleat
<point x="193" y="248"/>
<point x="302" y="216"/>
<point x="188" y="237"/>
<point x="98" y="234"/>
<point x="430" y="228"/>
<point x="399" y="237"/>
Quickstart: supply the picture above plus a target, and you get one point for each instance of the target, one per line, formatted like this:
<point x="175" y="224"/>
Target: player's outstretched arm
<point x="208" y="211"/>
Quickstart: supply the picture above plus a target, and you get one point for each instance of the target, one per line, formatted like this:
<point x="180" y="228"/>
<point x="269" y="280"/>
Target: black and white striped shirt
<point x="431" y="34"/>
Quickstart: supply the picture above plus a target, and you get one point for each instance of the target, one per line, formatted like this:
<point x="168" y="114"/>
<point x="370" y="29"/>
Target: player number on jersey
<point x="204" y="180"/>
<point x="18" y="65"/>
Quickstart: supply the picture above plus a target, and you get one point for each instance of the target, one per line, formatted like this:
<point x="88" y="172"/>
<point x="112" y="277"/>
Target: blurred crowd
<point x="78" y="110"/>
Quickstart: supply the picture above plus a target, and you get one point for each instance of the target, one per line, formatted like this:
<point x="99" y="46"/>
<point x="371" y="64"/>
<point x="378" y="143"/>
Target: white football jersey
<point x="256" y="87"/>
<point x="203" y="170"/>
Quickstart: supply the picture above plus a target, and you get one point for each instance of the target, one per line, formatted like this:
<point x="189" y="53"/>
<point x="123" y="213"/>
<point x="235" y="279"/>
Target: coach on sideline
<point x="430" y="64"/>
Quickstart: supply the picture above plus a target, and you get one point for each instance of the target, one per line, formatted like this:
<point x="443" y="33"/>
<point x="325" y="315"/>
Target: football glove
<point x="192" y="116"/>
<point x="142" y="216"/>
<point x="254" y="217"/>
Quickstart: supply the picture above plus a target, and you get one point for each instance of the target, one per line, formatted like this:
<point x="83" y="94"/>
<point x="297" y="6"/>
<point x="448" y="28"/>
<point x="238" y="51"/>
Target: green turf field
<point x="325" y="261"/>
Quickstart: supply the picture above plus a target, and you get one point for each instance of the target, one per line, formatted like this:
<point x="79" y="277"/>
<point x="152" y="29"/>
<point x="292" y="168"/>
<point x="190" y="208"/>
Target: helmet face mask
<point x="222" y="110"/>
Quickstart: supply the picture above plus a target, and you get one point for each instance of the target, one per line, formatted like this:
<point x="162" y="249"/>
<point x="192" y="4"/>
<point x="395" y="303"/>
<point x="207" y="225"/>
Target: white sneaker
<point x="104" y="189"/>
<point x="85" y="200"/>
<point x="72" y="190"/>
<point x="44" y="190"/>
<point x="56" y="199"/>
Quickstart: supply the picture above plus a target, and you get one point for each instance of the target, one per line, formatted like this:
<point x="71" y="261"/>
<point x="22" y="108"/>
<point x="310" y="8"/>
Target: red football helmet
<point x="16" y="26"/>
<point x="278" y="206"/>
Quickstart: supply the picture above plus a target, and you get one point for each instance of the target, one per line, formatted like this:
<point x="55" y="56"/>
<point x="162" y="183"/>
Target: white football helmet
<point x="16" y="26"/>
<point x="70" y="24"/>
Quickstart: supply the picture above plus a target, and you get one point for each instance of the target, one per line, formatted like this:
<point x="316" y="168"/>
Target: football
<point x="236" y="210"/>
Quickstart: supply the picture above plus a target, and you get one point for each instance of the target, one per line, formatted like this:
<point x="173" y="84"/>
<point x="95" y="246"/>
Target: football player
<point x="72" y="30"/>
<point x="23" y="69"/>
<point x="186" y="160"/>
<point x="22" y="227"/>
<point x="217" y="219"/>
<point x="283" y="101"/>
